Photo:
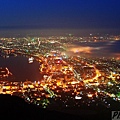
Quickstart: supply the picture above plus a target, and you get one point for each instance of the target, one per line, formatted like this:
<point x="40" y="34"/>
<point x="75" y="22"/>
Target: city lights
<point x="67" y="80"/>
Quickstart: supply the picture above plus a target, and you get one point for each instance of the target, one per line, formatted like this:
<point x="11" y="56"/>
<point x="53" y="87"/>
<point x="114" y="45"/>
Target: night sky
<point x="60" y="14"/>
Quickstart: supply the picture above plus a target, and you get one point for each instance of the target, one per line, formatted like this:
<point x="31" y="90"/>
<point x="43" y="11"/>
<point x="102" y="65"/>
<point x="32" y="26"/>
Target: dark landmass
<point x="15" y="108"/>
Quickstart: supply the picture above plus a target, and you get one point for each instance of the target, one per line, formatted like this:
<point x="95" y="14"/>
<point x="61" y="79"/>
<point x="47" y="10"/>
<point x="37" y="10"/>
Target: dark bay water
<point x="21" y="68"/>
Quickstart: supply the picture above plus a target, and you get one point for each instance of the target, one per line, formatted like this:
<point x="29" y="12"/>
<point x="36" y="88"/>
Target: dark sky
<point x="69" y="14"/>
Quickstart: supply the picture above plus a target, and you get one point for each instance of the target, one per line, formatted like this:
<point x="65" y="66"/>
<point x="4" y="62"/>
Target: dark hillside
<point x="15" y="108"/>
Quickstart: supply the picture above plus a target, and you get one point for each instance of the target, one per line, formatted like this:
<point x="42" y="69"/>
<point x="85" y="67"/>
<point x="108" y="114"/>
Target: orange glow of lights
<point x="90" y="95"/>
<point x="81" y="49"/>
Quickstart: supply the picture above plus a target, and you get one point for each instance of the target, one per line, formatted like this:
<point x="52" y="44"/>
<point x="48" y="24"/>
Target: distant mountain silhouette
<point x="15" y="108"/>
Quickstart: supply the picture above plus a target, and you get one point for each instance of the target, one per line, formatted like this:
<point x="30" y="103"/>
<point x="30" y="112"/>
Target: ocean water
<point x="21" y="69"/>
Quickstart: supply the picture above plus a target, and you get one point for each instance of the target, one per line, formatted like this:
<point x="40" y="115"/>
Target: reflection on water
<point x="21" y="69"/>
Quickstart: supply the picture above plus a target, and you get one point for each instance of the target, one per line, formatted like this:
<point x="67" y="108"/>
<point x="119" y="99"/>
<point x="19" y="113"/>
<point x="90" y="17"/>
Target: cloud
<point x="98" y="49"/>
<point x="80" y="49"/>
